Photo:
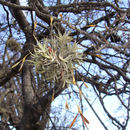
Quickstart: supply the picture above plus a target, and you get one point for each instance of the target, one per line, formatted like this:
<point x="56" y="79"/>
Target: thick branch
<point x="21" y="19"/>
<point x="33" y="112"/>
<point x="15" y="6"/>
<point x="81" y="6"/>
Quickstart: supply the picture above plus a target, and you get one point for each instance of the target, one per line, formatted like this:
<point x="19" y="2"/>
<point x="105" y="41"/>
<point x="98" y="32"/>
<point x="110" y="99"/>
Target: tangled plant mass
<point x="56" y="58"/>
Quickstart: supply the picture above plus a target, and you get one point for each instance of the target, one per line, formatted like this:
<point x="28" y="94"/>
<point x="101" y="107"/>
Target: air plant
<point x="55" y="58"/>
<point x="13" y="45"/>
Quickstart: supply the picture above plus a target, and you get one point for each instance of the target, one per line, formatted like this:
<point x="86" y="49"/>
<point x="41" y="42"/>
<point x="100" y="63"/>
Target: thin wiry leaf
<point x="53" y="96"/>
<point x="79" y="110"/>
<point x="16" y="64"/>
<point x="73" y="121"/>
<point x="91" y="25"/>
<point x="80" y="93"/>
<point x="85" y="83"/>
<point x="84" y="120"/>
<point x="35" y="25"/>
<point x="73" y="78"/>
<point x="21" y="61"/>
<point x="98" y="56"/>
<point x="51" y="20"/>
<point x="66" y="105"/>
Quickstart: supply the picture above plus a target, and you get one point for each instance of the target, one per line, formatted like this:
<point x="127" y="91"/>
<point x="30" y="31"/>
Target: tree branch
<point x="15" y="6"/>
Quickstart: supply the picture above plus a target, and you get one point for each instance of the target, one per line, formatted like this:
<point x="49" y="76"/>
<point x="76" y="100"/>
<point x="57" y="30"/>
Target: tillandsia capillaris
<point x="56" y="58"/>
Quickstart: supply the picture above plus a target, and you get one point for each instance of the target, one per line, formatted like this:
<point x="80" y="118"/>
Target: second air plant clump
<point x="55" y="58"/>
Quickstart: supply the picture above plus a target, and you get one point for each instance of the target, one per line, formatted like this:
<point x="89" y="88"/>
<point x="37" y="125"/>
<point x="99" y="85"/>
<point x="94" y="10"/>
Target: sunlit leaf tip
<point x="51" y="20"/>
<point x="66" y="105"/>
